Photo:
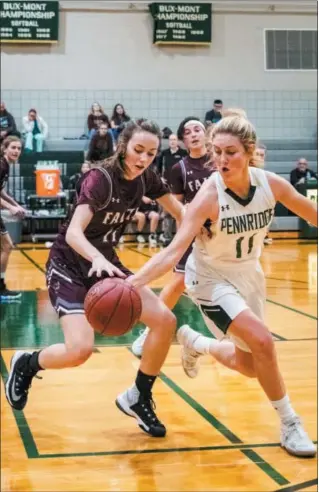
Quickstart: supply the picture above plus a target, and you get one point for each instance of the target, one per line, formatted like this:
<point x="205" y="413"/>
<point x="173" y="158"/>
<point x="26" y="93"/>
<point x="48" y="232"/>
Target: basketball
<point x="112" y="307"/>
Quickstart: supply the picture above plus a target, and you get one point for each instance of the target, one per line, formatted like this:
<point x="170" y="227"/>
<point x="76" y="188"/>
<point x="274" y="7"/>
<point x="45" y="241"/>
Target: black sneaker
<point x="8" y="295"/>
<point x="19" y="380"/>
<point x="132" y="403"/>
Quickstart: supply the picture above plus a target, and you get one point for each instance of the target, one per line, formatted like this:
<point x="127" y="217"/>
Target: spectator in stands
<point x="165" y="162"/>
<point x="301" y="173"/>
<point x="101" y="145"/>
<point x="7" y="124"/>
<point x="147" y="211"/>
<point x="118" y="120"/>
<point x="95" y="118"/>
<point x="75" y="178"/>
<point x="215" y="114"/>
<point x="36" y="131"/>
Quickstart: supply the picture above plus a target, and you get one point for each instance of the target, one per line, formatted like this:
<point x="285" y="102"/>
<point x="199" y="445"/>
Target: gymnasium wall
<point x="108" y="56"/>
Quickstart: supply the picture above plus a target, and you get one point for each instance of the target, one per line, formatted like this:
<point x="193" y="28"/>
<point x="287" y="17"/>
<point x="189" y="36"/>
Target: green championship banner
<point x="29" y="22"/>
<point x="182" y="23"/>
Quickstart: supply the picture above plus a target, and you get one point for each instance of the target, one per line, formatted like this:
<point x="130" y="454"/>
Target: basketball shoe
<point x="138" y="344"/>
<point x="190" y="358"/>
<point x="141" y="407"/>
<point x="295" y="440"/>
<point x="19" y="380"/>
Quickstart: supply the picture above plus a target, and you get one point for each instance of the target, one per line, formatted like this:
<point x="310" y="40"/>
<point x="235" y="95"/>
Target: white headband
<point x="194" y="122"/>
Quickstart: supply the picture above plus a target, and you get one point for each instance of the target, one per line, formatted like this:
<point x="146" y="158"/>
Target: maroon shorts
<point x="68" y="286"/>
<point x="3" y="229"/>
<point x="180" y="267"/>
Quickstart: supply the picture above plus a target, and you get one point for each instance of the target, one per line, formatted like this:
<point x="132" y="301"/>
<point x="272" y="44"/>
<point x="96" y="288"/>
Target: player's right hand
<point x="101" y="264"/>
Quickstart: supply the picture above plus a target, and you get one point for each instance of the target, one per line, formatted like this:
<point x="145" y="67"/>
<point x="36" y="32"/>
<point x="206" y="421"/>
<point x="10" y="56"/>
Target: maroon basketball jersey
<point x="4" y="172"/>
<point x="114" y="202"/>
<point x="188" y="175"/>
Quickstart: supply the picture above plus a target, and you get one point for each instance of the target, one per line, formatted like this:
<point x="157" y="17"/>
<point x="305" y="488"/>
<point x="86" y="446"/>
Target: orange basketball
<point x="112" y="307"/>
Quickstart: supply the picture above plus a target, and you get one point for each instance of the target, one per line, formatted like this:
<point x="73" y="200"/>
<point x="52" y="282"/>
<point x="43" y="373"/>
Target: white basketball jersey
<point x="242" y="224"/>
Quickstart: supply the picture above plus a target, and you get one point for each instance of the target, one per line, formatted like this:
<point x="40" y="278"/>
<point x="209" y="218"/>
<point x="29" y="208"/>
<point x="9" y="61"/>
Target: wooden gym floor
<point x="222" y="432"/>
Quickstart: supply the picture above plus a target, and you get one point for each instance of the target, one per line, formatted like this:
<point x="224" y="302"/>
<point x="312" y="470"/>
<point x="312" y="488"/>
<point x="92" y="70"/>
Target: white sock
<point x="284" y="409"/>
<point x="2" y="275"/>
<point x="204" y="345"/>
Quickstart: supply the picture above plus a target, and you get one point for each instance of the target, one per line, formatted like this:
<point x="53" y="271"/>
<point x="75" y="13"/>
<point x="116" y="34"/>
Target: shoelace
<point x="295" y="427"/>
<point x="25" y="380"/>
<point x="190" y="358"/>
<point x="148" y="406"/>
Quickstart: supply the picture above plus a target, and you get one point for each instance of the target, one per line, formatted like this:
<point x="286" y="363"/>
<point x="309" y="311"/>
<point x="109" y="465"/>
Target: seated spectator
<point x="118" y="120"/>
<point x="36" y="131"/>
<point x="147" y="211"/>
<point x="75" y="178"/>
<point x="301" y="173"/>
<point x="101" y="145"/>
<point x="7" y="124"/>
<point x="95" y="118"/>
<point x="215" y="114"/>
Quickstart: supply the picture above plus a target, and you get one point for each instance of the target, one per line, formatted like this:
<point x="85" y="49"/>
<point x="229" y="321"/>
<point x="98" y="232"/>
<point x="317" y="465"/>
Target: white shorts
<point x="222" y="294"/>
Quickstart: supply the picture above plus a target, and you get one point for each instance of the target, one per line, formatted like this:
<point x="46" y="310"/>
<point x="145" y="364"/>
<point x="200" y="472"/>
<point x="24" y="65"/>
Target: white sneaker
<point x="190" y="358"/>
<point x="268" y="240"/>
<point x="295" y="440"/>
<point x="152" y="241"/>
<point x="140" y="239"/>
<point x="121" y="240"/>
<point x="137" y="346"/>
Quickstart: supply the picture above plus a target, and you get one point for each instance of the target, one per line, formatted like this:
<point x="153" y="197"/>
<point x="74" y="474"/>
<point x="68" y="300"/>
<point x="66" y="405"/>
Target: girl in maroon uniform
<point x="107" y="200"/>
<point x="10" y="153"/>
<point x="187" y="176"/>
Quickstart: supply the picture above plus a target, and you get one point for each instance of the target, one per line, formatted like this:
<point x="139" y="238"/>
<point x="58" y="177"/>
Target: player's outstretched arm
<point x="204" y="206"/>
<point x="286" y="194"/>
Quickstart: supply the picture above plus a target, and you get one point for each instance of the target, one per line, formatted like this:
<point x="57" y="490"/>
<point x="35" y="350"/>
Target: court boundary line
<point x="267" y="300"/>
<point x="299" y="486"/>
<point x="247" y="449"/>
<point x="269" y="470"/>
<point x="21" y="421"/>
<point x="34" y="263"/>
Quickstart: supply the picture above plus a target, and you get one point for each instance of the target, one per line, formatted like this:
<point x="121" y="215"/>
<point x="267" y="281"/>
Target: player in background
<point x="107" y="200"/>
<point x="186" y="178"/>
<point x="10" y="153"/>
<point x="223" y="273"/>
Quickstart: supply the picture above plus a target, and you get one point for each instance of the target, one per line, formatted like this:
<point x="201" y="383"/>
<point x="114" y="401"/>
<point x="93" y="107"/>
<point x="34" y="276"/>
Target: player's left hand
<point x="22" y="212"/>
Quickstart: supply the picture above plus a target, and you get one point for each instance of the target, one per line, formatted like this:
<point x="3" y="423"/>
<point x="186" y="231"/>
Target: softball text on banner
<point x="182" y="23"/>
<point x="29" y="22"/>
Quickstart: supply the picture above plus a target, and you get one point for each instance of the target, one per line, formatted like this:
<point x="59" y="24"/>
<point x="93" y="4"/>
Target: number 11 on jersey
<point x="239" y="245"/>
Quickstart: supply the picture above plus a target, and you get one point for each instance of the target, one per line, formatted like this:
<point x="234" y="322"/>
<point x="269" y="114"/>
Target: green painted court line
<point x="30" y="248"/>
<point x="288" y="280"/>
<point x="299" y="486"/>
<point x="161" y="450"/>
<point x="292" y="309"/>
<point x="31" y="260"/>
<point x="266" y="467"/>
<point x="131" y="248"/>
<point x="279" y="338"/>
<point x="201" y="410"/>
<point x="22" y="424"/>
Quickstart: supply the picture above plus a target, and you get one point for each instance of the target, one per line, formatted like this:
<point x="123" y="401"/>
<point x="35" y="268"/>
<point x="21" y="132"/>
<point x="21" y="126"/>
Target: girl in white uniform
<point x="223" y="273"/>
